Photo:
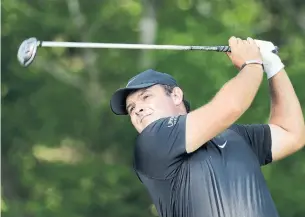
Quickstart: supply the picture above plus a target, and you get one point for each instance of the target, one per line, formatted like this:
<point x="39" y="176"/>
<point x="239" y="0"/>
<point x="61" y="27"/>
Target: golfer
<point x="200" y="163"/>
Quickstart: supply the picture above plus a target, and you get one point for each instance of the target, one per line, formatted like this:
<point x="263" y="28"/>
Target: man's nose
<point x="139" y="110"/>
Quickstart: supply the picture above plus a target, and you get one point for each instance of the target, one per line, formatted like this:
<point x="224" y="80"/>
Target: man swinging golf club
<point x="200" y="163"/>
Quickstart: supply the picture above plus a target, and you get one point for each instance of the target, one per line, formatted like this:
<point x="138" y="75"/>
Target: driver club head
<point x="27" y="51"/>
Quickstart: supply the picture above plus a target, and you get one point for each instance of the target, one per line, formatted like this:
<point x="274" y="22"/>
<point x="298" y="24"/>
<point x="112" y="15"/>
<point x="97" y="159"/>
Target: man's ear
<point x="177" y="95"/>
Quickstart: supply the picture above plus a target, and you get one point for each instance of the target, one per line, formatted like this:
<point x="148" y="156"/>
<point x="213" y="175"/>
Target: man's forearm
<point x="286" y="111"/>
<point x="242" y="89"/>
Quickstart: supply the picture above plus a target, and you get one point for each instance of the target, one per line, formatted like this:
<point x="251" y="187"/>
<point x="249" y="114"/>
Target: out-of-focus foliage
<point x="64" y="153"/>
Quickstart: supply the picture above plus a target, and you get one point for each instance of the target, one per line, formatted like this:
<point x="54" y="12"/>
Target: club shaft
<point x="131" y="46"/>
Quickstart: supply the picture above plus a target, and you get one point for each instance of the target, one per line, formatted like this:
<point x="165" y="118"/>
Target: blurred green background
<point x="65" y="154"/>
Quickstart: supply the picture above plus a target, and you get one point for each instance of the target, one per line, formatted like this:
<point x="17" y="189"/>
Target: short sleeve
<point x="160" y="148"/>
<point x="258" y="136"/>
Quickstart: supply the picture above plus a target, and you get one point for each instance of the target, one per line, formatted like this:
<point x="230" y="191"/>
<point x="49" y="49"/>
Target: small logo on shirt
<point x="223" y="145"/>
<point x="172" y="121"/>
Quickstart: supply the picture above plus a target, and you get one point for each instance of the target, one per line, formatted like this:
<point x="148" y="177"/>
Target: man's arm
<point x="286" y="119"/>
<point x="233" y="99"/>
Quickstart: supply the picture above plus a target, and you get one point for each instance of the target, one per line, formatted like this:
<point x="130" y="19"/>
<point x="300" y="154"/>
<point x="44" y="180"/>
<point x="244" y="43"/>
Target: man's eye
<point x="131" y="109"/>
<point x="146" y="96"/>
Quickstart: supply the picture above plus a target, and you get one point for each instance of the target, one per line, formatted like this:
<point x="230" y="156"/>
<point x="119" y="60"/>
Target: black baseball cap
<point x="142" y="80"/>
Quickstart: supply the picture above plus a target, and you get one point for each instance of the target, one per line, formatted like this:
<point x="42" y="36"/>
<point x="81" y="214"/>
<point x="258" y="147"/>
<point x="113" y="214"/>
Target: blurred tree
<point x="64" y="153"/>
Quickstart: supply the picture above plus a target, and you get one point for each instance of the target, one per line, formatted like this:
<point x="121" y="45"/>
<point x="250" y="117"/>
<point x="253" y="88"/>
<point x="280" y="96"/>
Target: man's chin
<point x="148" y="120"/>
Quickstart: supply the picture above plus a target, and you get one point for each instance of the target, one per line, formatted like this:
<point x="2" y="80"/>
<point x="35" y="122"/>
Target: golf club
<point x="28" y="48"/>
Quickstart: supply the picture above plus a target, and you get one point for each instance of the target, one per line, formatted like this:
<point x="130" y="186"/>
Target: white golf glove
<point x="271" y="61"/>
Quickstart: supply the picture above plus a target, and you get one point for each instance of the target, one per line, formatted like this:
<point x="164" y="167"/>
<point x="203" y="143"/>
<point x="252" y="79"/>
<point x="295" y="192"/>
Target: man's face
<point x="147" y="105"/>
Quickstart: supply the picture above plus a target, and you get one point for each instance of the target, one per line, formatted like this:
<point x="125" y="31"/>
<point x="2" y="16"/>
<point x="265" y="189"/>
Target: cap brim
<point x="118" y="99"/>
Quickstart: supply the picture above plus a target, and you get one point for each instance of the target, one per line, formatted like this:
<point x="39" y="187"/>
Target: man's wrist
<point x="276" y="68"/>
<point x="255" y="63"/>
<point x="272" y="63"/>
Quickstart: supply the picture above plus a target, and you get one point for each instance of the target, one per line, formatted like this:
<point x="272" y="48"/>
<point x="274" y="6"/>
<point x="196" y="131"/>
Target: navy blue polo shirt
<point x="222" y="178"/>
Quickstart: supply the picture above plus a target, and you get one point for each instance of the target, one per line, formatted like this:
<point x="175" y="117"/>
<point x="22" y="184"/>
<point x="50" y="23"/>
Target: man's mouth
<point x="143" y="118"/>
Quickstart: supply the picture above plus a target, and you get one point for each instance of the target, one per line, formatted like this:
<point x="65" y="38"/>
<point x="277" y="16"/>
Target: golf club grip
<point x="210" y="48"/>
<point x="223" y="49"/>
